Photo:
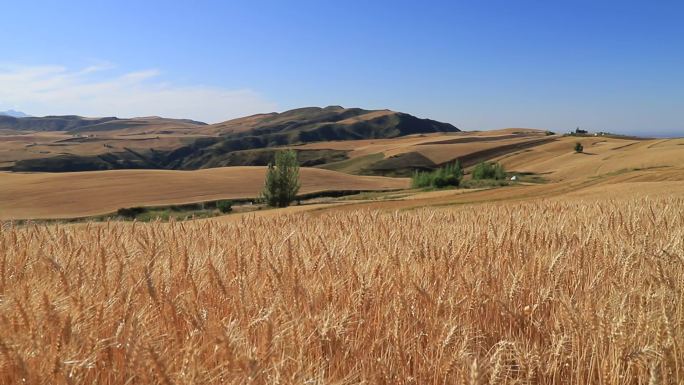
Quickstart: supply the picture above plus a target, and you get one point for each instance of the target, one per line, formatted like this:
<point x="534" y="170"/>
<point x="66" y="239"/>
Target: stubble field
<point x="77" y="194"/>
<point x="545" y="292"/>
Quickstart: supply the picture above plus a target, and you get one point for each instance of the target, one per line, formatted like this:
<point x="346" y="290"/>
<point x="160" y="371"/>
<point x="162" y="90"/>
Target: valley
<point x="356" y="254"/>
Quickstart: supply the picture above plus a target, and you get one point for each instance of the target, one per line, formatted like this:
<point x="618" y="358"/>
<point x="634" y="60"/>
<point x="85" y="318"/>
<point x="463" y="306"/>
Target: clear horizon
<point x="608" y="66"/>
<point x="636" y="133"/>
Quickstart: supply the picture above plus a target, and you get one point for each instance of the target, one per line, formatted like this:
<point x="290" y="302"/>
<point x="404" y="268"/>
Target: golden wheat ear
<point x="542" y="292"/>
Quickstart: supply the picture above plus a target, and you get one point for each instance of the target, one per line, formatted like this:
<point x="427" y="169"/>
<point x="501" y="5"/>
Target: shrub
<point x="578" y="147"/>
<point x="450" y="175"/>
<point x="130" y="212"/>
<point x="224" y="206"/>
<point x="489" y="170"/>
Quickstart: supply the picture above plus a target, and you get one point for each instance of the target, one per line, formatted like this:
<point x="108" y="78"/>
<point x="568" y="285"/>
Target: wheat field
<point x="572" y="292"/>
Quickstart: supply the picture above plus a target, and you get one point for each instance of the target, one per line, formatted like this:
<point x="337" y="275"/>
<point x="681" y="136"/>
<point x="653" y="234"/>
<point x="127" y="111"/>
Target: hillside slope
<point x="617" y="167"/>
<point x="304" y="125"/>
<point x="602" y="156"/>
<point x="220" y="144"/>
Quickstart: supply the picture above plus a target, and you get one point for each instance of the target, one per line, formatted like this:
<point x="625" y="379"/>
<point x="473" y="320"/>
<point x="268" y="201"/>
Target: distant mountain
<point x="78" y="124"/>
<point x="245" y="141"/>
<point x="14" y="114"/>
<point x="302" y="125"/>
<point x="310" y="123"/>
<point x="49" y="123"/>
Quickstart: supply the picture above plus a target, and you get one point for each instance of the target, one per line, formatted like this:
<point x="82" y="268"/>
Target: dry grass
<point x="528" y="293"/>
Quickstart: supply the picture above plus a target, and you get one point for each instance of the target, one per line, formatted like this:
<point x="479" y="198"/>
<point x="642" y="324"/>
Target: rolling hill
<point x="304" y="125"/>
<point x="158" y="143"/>
<point x="73" y="124"/>
<point x="616" y="166"/>
<point x="401" y="156"/>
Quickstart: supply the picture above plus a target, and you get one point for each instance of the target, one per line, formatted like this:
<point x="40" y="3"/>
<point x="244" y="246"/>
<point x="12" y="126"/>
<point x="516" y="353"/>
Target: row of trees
<point x="282" y="178"/>
<point x="489" y="170"/>
<point x="452" y="174"/>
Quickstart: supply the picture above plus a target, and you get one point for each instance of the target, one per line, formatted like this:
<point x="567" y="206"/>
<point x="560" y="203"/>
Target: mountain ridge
<point x="14" y="114"/>
<point x="219" y="142"/>
<point x="77" y="124"/>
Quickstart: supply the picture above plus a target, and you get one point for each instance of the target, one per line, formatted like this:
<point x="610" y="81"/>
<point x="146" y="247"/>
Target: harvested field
<point x="438" y="148"/>
<point x="601" y="156"/>
<point x="24" y="146"/>
<point x="69" y="195"/>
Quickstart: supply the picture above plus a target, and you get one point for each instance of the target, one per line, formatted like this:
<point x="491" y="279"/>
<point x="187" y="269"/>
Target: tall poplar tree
<point x="282" y="180"/>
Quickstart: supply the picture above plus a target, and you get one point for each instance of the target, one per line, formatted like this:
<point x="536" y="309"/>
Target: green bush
<point x="224" y="206"/>
<point x="130" y="212"/>
<point x="421" y="179"/>
<point x="489" y="170"/>
<point x="578" y="147"/>
<point x="450" y="175"/>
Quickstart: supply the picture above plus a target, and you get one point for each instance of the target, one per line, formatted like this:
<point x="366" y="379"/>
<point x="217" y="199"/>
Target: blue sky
<point x="601" y="65"/>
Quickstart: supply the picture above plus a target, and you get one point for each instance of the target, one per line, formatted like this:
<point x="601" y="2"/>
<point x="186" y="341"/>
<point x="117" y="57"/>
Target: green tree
<point x="578" y="147"/>
<point x="489" y="170"/>
<point x="449" y="175"/>
<point x="282" y="180"/>
<point x="499" y="171"/>
<point x="224" y="206"/>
